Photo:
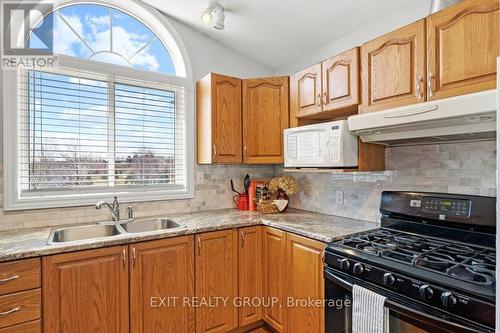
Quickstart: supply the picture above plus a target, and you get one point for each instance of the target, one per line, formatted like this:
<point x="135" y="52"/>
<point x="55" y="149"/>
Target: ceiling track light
<point x="215" y="15"/>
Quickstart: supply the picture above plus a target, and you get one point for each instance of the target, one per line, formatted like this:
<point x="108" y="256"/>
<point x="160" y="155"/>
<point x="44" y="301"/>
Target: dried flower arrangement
<point x="282" y="187"/>
<point x="284" y="183"/>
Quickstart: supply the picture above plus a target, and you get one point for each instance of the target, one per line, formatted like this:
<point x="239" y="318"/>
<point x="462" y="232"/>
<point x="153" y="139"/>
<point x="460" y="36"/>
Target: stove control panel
<point x="430" y="294"/>
<point x="447" y="207"/>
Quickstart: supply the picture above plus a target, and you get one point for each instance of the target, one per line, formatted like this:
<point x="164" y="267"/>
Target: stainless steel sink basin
<point x="71" y="234"/>
<point x="149" y="225"/>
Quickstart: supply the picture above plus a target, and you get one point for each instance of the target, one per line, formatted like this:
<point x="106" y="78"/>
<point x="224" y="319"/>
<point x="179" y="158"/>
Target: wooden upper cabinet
<point x="304" y="271"/>
<point x="163" y="268"/>
<point x="265" y="117"/>
<point x="393" y="69"/>
<point x="86" y="291"/>
<point x="341" y="83"/>
<point x="274" y="277"/>
<point x="250" y="272"/>
<point x="216" y="265"/>
<point x="463" y="43"/>
<point x="305" y="92"/>
<point x="219" y="123"/>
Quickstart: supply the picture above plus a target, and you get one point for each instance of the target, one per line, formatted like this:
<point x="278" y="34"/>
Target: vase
<point x="283" y="196"/>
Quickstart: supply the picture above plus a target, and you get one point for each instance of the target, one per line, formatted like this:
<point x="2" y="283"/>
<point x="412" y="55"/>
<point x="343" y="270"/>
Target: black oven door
<point x="405" y="315"/>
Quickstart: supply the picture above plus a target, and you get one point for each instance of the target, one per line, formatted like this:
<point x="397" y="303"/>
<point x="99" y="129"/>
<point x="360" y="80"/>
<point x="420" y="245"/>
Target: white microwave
<point x="326" y="145"/>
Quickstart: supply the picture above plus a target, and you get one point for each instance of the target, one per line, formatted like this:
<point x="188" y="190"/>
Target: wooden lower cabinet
<point x="304" y="282"/>
<point x="273" y="272"/>
<point x="250" y="274"/>
<point x="216" y="279"/>
<point x="86" y="291"/>
<point x="29" y="327"/>
<point x="161" y="276"/>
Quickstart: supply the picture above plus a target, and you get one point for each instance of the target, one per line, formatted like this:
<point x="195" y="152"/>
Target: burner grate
<point x="467" y="263"/>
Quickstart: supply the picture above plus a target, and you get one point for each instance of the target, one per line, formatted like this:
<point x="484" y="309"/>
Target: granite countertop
<point x="26" y="243"/>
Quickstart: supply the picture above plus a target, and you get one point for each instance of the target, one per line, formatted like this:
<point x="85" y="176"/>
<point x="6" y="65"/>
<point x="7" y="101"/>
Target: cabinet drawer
<point x="20" y="307"/>
<point x="19" y="275"/>
<point x="31" y="327"/>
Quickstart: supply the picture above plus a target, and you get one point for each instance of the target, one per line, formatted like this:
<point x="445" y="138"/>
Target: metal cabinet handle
<point x="420" y="95"/>
<point x="199" y="246"/>
<point x="325" y="98"/>
<point x="13" y="277"/>
<point x="245" y="152"/>
<point x="10" y="311"/>
<point x="318" y="100"/>
<point x="134" y="256"/>
<point x="429" y="84"/>
<point x="242" y="237"/>
<point x="214" y="152"/>
<point x="124" y="259"/>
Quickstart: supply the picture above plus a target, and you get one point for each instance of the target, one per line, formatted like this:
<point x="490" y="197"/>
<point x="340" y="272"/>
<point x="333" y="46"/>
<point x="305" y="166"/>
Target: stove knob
<point x="388" y="279"/>
<point x="425" y="292"/>
<point x="358" y="268"/>
<point x="344" y="264"/>
<point x="448" y="299"/>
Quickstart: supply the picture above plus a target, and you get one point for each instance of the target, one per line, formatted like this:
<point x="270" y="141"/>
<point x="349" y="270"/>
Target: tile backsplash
<point x="468" y="168"/>
<point x="213" y="193"/>
<point x="464" y="168"/>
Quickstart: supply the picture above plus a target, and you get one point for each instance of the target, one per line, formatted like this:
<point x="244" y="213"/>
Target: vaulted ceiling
<point x="275" y="32"/>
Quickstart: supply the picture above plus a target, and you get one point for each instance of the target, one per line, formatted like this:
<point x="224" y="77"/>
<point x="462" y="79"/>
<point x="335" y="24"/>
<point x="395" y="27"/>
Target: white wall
<point x="388" y="23"/>
<point x="208" y="55"/>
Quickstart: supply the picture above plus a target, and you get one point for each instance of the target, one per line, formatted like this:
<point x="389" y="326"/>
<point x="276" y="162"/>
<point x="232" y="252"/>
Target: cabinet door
<point x="226" y="121"/>
<point x="304" y="271"/>
<point x="218" y="109"/>
<point x="161" y="275"/>
<point x="341" y="82"/>
<point x="274" y="260"/>
<point x="393" y="69"/>
<point x="216" y="278"/>
<point x="463" y="43"/>
<point x="250" y="273"/>
<point x="305" y="92"/>
<point x="265" y="117"/>
<point x="86" y="291"/>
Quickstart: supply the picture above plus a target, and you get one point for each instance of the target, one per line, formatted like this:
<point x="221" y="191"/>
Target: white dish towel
<point x="369" y="315"/>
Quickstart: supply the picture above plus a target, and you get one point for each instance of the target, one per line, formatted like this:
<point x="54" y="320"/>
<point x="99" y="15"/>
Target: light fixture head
<point x="215" y="15"/>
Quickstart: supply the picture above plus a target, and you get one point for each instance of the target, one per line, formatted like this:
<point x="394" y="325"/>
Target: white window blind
<point x="82" y="133"/>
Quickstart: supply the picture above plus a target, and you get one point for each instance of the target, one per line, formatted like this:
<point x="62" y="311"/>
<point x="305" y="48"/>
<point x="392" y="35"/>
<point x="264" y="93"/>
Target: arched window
<point x="113" y="118"/>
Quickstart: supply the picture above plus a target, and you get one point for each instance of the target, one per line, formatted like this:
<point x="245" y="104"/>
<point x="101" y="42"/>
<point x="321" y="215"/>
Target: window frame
<point x="11" y="129"/>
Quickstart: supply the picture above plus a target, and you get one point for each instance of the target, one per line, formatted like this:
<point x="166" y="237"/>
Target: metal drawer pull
<point x="10" y="311"/>
<point x="13" y="277"/>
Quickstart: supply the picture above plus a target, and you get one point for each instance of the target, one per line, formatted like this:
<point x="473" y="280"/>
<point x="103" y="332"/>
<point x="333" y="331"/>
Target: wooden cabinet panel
<point x="304" y="271"/>
<point x="393" y="69"/>
<point x="250" y="272"/>
<point x="219" y="122"/>
<point x="20" y="307"/>
<point x="163" y="268"/>
<point x="463" y="43"/>
<point x="30" y="327"/>
<point x="86" y="291"/>
<point x="19" y="275"/>
<point x="305" y="93"/>
<point x="265" y="117"/>
<point x="341" y="82"/>
<point x="216" y="276"/>
<point x="273" y="269"/>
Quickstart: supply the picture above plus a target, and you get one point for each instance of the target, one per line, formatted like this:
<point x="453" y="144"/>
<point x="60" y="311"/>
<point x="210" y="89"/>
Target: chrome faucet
<point x="114" y="208"/>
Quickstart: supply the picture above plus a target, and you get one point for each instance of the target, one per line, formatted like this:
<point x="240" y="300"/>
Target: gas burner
<point x="460" y="261"/>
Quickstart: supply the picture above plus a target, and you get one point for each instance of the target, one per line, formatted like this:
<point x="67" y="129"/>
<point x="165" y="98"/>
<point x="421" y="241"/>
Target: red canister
<point x="241" y="201"/>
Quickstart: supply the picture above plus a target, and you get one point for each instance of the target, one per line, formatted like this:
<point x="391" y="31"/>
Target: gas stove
<point x="436" y="249"/>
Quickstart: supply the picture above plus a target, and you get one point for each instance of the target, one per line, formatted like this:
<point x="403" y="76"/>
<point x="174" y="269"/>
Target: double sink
<point x="108" y="230"/>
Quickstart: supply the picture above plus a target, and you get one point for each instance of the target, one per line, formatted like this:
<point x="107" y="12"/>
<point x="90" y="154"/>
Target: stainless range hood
<point x="437" y="5"/>
<point x="462" y="118"/>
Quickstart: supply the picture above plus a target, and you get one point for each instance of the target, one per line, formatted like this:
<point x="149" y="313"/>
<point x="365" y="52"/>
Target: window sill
<point x="78" y="200"/>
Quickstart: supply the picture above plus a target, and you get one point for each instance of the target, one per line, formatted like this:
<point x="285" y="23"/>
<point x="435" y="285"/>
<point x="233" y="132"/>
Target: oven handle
<point x="404" y="310"/>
